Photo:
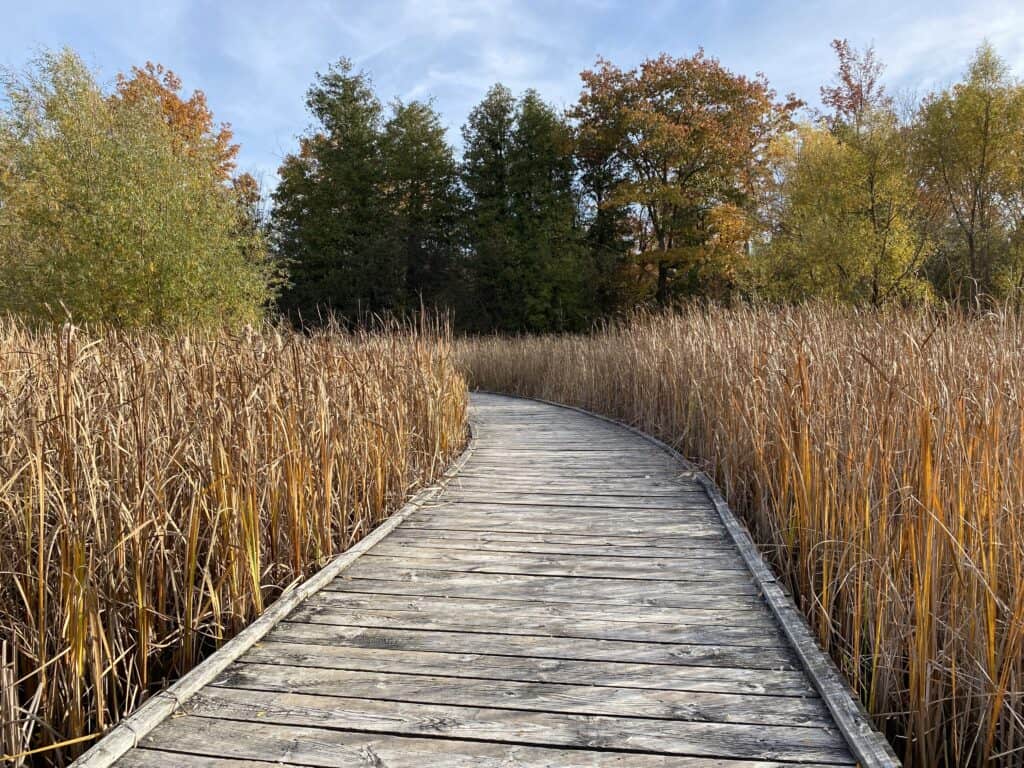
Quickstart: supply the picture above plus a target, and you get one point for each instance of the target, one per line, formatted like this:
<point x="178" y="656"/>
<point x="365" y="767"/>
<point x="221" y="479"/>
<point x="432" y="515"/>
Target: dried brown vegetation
<point x="157" y="492"/>
<point x="879" y="459"/>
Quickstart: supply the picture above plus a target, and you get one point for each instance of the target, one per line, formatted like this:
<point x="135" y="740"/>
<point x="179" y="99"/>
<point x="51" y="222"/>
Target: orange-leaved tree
<point x="685" y="146"/>
<point x="190" y="119"/>
<point x="194" y="133"/>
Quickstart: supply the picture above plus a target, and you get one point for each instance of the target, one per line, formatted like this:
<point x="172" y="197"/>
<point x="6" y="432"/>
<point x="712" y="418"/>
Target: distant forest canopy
<point x="673" y="180"/>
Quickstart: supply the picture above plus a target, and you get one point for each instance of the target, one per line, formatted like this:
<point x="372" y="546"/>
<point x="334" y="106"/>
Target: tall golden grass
<point x="878" y="459"/>
<point x="157" y="492"/>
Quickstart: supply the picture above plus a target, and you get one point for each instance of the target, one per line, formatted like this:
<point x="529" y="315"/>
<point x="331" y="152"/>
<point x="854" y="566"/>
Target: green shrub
<point x="103" y="218"/>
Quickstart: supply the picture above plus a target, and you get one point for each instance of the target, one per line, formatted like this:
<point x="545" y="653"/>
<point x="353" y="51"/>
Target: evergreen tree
<point x="555" y="276"/>
<point x="366" y="213"/>
<point x="526" y="267"/>
<point x="422" y="200"/>
<point x="491" y="267"/>
<point x="327" y="207"/>
<point x="609" y="223"/>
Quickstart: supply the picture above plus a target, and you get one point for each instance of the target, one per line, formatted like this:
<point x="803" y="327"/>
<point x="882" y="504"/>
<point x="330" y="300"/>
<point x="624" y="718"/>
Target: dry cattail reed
<point x="157" y="492"/>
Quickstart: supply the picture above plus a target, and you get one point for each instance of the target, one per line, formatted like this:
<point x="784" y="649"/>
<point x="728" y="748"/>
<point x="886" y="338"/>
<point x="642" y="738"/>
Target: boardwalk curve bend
<point x="571" y="598"/>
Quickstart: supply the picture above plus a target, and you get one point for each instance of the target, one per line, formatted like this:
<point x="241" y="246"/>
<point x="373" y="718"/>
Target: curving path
<point x="570" y="600"/>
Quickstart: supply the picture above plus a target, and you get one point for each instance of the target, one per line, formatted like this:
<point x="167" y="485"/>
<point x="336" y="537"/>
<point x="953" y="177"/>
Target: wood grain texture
<point x="547" y="729"/>
<point x="550" y="590"/>
<point x="527" y="696"/>
<point x="220" y="743"/>
<point x="772" y="654"/>
<point x="752" y="614"/>
<point x="571" y="599"/>
<point x="749" y="635"/>
<point x="607" y="674"/>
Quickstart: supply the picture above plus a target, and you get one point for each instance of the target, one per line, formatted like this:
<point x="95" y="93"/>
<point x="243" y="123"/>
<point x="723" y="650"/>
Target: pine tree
<point x="422" y="200"/>
<point x="367" y="212"/>
<point x="327" y="207"/>
<point x="526" y="266"/>
<point x="555" y="276"/>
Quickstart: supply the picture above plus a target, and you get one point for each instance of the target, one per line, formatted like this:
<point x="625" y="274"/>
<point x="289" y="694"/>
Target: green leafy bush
<point x="104" y="218"/>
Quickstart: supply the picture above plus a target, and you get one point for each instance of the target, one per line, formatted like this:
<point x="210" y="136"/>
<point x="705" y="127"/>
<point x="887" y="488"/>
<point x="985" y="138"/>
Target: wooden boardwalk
<point x="571" y="599"/>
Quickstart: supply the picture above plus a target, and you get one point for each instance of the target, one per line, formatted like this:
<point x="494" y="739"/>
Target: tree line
<point x="643" y="192"/>
<point x="675" y="179"/>
<point x="671" y="180"/>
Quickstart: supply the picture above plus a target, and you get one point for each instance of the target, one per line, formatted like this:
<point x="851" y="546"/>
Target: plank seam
<point x="869" y="747"/>
<point x="127" y="733"/>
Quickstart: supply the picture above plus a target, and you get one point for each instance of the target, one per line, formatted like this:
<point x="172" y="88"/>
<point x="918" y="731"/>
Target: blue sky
<point x="255" y="59"/>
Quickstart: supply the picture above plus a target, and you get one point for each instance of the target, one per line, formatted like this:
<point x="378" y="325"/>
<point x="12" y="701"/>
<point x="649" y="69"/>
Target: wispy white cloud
<point x="256" y="59"/>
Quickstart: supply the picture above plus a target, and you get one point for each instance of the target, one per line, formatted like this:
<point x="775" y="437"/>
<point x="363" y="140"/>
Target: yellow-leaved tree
<point x="107" y="215"/>
<point x="851" y="223"/>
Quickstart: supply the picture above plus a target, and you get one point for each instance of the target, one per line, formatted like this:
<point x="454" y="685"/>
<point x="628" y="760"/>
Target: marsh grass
<point x="158" y="491"/>
<point x="878" y="459"/>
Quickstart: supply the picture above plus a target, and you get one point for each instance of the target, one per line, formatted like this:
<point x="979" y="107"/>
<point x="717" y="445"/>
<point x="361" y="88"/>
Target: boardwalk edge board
<point x="868" y="745"/>
<point x="159" y="707"/>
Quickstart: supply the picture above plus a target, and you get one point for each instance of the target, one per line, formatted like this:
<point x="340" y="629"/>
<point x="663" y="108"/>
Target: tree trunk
<point x="662" y="295"/>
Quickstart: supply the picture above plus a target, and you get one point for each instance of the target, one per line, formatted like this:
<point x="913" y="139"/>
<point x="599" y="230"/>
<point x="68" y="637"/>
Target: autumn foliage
<point x="190" y="120"/>
<point x="684" y="148"/>
<point x="117" y="208"/>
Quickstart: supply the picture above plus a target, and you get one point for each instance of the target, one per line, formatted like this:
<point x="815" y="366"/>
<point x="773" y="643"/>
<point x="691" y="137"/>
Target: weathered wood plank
<point x="575" y="488"/>
<point x="594" y="591"/>
<point x="546" y="565"/>
<point x="656" y="484"/>
<point x="654" y="562"/>
<point x="528" y="697"/>
<point x="689" y="513"/>
<point x="607" y="523"/>
<point x="632" y="589"/>
<point x="600" y="521"/>
<point x="506" y="463"/>
<point x="375" y="587"/>
<point x="750" y="635"/>
<point x="595" y="526"/>
<point x="304" y="746"/>
<point x="654" y="544"/>
<point x="150" y="758"/>
<point x="749" y="615"/>
<point x="412" y="539"/>
<point x="579" y="469"/>
<point x="608" y="674"/>
<point x="582" y="502"/>
<point x="769" y="656"/>
<point x="672" y="737"/>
